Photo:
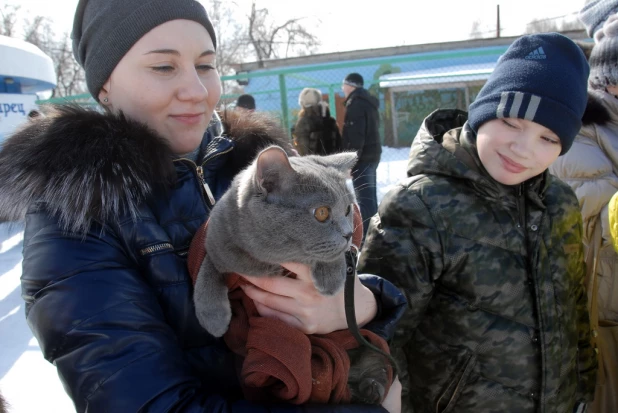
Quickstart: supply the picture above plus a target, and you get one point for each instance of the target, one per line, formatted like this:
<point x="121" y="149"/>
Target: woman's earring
<point x="105" y="100"/>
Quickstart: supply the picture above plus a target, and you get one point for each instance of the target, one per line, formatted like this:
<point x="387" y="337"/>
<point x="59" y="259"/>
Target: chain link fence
<point x="408" y="86"/>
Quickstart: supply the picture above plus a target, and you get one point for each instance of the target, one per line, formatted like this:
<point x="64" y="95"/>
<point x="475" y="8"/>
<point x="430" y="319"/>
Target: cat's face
<point x="307" y="202"/>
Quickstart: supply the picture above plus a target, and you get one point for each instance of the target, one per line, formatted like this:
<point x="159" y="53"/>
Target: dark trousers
<point x="364" y="180"/>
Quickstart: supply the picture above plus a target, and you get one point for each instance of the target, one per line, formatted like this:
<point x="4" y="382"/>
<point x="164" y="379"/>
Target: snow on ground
<point x="27" y="380"/>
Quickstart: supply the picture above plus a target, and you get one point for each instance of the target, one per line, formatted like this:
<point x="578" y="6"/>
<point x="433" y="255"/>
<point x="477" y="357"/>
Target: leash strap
<point x="350" y="313"/>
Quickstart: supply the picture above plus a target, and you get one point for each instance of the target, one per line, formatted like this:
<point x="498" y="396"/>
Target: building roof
<point x="458" y="73"/>
<point x="393" y="51"/>
<point x="24" y="63"/>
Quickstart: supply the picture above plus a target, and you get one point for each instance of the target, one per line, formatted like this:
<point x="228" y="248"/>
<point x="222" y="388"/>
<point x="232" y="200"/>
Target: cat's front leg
<point x="329" y="277"/>
<point x="210" y="296"/>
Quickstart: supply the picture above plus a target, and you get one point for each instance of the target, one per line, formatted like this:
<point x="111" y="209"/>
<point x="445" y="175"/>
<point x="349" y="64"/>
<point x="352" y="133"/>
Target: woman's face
<point x="168" y="81"/>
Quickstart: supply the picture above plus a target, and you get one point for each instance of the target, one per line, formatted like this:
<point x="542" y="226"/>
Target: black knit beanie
<point x="105" y="30"/>
<point x="246" y="101"/>
<point x="541" y="78"/>
<point x="354" y="80"/>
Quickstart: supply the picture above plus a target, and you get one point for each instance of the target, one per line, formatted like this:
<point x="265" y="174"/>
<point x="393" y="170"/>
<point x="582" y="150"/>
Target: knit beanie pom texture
<point x="595" y="13"/>
<point x="309" y="97"/>
<point x="604" y="56"/>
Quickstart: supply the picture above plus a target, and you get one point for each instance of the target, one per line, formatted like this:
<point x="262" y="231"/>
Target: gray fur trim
<point x="595" y="111"/>
<point x="252" y="132"/>
<point x="83" y="165"/>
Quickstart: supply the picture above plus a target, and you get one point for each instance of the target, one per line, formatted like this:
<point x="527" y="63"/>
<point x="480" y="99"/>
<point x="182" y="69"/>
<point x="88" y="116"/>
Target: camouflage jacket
<point x="496" y="318"/>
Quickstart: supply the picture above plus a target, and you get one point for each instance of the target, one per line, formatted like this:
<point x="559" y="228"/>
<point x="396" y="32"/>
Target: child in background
<point x="487" y="245"/>
<point x="591" y="169"/>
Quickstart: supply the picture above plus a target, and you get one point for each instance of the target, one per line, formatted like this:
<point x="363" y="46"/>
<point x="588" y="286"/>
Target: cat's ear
<point x="273" y="169"/>
<point x="343" y="161"/>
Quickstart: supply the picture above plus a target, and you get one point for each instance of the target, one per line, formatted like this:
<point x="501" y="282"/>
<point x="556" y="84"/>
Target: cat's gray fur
<point x="267" y="217"/>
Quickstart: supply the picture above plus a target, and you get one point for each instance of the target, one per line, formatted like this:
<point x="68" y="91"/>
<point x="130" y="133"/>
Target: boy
<point x="487" y="245"/>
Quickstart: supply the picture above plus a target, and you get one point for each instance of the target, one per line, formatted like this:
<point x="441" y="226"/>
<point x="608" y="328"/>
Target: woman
<point x="111" y="202"/>
<point x="591" y="169"/>
<point x="316" y="132"/>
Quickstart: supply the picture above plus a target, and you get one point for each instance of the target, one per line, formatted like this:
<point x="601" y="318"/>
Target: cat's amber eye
<point x="348" y="210"/>
<point x="321" y="213"/>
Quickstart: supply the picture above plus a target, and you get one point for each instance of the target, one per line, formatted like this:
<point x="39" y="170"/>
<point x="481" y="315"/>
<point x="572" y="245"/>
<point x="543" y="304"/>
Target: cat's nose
<point x="347" y="236"/>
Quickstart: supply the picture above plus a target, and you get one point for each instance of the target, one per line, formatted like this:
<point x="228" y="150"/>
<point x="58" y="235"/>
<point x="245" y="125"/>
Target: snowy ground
<point x="27" y="380"/>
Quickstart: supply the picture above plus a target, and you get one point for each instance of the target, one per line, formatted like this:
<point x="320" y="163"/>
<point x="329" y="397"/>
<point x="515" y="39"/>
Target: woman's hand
<point x="298" y="303"/>
<point x="392" y="401"/>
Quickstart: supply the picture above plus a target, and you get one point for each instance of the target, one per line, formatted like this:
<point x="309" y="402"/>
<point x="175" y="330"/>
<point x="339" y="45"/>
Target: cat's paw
<point x="371" y="391"/>
<point x="214" y="319"/>
<point x="328" y="278"/>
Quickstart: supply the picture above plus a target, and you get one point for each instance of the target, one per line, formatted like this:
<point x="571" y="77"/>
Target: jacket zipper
<point x="200" y="173"/>
<point x="156" y="248"/>
<point x="199" y="170"/>
<point x="531" y="251"/>
<point x="205" y="192"/>
<point x="521" y="206"/>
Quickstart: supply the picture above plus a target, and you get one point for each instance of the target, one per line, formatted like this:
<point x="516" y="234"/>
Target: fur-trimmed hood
<point x="251" y="132"/>
<point x="85" y="165"/>
<point x="595" y="112"/>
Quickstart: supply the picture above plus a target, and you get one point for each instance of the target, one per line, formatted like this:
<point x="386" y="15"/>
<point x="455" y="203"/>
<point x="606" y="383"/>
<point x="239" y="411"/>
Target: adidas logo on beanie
<point x="537" y="54"/>
<point x="541" y="78"/>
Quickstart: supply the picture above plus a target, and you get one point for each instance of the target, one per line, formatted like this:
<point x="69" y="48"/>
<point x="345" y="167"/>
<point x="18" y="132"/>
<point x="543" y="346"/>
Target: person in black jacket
<point x="360" y="133"/>
<point x="111" y="202"/>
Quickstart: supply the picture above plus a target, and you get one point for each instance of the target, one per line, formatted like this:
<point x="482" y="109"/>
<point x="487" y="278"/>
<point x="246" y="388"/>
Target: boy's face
<point x="515" y="150"/>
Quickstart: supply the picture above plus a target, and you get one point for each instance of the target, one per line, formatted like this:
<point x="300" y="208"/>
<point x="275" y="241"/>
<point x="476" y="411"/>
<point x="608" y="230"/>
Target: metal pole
<point x="467" y="97"/>
<point x="283" y="91"/>
<point x="497" y="20"/>
<point x="394" y="119"/>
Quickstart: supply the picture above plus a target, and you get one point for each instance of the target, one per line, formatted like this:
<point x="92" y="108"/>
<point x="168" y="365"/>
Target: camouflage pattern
<point x="496" y="318"/>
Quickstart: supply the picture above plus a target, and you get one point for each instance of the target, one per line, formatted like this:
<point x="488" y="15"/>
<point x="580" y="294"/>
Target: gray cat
<point x="282" y="209"/>
<point x="279" y="209"/>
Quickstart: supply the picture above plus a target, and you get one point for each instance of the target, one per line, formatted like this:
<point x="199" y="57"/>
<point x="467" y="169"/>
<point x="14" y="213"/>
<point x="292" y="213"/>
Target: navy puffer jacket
<point x="109" y="218"/>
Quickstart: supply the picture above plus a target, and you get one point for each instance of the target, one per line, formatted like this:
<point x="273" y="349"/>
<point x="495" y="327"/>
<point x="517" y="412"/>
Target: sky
<point x="345" y="25"/>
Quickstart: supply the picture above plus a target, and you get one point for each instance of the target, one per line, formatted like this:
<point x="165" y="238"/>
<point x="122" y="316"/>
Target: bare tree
<point x="272" y="40"/>
<point x="553" y="24"/>
<point x="70" y="76"/>
<point x="231" y="42"/>
<point x="475" y="30"/>
<point x="8" y="20"/>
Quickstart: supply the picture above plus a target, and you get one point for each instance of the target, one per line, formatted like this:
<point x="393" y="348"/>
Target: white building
<point x="24" y="71"/>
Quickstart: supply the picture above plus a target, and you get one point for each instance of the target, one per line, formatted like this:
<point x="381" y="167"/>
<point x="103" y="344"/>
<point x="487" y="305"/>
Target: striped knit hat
<point x="541" y="78"/>
<point x="604" y="57"/>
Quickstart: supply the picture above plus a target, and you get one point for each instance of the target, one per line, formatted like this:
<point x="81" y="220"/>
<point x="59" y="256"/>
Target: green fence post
<point x="283" y="90"/>
<point x="331" y="101"/>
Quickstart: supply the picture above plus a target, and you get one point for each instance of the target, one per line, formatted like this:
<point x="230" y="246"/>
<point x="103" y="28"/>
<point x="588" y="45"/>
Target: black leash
<point x="350" y="313"/>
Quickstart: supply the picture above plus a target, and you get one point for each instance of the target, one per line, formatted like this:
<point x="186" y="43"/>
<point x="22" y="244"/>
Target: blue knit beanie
<point x="541" y="78"/>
